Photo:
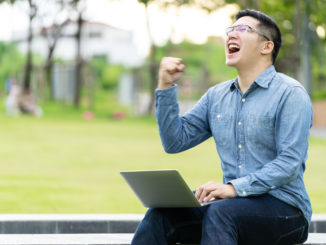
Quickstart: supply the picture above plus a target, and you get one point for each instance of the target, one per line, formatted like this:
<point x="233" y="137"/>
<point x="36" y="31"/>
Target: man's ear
<point x="267" y="47"/>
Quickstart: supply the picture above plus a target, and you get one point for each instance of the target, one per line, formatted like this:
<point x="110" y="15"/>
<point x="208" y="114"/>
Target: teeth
<point x="233" y="46"/>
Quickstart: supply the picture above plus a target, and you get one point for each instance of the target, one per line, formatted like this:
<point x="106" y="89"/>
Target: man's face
<point x="242" y="48"/>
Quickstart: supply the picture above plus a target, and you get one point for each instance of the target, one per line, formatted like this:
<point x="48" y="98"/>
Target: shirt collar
<point x="263" y="80"/>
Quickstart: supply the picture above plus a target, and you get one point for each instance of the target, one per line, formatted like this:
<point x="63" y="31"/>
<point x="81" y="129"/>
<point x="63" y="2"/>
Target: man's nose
<point x="232" y="35"/>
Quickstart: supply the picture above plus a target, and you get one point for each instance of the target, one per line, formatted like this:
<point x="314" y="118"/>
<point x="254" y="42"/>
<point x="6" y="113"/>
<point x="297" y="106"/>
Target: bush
<point x="107" y="75"/>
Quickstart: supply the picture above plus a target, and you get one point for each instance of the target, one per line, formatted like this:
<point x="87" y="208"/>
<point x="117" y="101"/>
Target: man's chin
<point x="230" y="63"/>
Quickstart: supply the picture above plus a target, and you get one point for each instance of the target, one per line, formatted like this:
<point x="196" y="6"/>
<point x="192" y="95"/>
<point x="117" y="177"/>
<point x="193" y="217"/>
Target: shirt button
<point x="243" y="100"/>
<point x="218" y="116"/>
<point x="240" y="166"/>
<point x="239" y="123"/>
<point x="244" y="193"/>
<point x="239" y="146"/>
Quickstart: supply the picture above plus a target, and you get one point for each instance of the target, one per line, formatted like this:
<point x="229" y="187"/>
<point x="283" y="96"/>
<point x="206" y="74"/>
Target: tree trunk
<point x="297" y="29"/>
<point x="52" y="43"/>
<point x="79" y="62"/>
<point x="48" y="71"/>
<point x="306" y="75"/>
<point x="29" y="61"/>
<point x="153" y="76"/>
<point x="152" y="67"/>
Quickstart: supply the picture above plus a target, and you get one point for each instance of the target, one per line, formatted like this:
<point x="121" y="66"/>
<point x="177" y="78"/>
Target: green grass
<point x="315" y="175"/>
<point x="67" y="165"/>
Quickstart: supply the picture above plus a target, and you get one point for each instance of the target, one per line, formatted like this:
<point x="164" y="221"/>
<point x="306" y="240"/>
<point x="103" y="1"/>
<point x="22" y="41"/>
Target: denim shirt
<point x="261" y="136"/>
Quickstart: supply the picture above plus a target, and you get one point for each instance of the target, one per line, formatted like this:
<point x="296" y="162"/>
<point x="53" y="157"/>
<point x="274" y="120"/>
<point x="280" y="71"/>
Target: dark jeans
<point x="260" y="220"/>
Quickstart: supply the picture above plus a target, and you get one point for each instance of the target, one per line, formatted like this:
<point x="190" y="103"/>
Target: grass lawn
<point x="68" y="165"/>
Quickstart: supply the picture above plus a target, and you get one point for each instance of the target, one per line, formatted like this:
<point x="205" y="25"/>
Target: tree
<point x="11" y="61"/>
<point x="32" y="11"/>
<point x="208" y="5"/>
<point x="79" y="60"/>
<point x="52" y="25"/>
<point x="29" y="62"/>
<point x="297" y="20"/>
<point x="78" y="7"/>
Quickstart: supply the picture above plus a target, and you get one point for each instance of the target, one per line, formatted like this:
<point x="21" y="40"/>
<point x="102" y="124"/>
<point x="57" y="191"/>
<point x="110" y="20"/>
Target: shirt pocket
<point x="260" y="133"/>
<point x="220" y="125"/>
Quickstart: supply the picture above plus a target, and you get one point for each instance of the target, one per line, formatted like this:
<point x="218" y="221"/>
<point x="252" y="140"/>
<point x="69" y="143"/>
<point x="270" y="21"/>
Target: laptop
<point x="161" y="189"/>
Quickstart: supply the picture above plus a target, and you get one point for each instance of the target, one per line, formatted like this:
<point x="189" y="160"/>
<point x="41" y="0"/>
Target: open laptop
<point x="161" y="189"/>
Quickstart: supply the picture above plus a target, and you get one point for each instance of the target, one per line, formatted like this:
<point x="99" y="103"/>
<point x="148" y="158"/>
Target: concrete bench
<point x="316" y="239"/>
<point x="68" y="223"/>
<point x="95" y="229"/>
<point x="318" y="223"/>
<point x="65" y="239"/>
<point x="98" y="239"/>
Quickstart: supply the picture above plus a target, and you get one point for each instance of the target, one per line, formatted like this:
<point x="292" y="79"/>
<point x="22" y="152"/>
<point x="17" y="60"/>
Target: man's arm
<point x="178" y="133"/>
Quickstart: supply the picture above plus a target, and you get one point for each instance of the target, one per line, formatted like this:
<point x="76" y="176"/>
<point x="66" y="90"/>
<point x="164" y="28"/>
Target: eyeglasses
<point x="243" y="28"/>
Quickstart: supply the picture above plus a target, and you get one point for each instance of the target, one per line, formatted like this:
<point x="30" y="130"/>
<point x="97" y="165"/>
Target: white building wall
<point x="97" y="39"/>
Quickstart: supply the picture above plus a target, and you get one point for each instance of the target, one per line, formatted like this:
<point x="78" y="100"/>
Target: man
<point x="260" y="122"/>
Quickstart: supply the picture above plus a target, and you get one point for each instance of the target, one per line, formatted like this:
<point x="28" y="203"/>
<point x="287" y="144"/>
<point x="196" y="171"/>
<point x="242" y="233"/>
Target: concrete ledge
<point x="316" y="239"/>
<point x="98" y="239"/>
<point x="65" y="239"/>
<point x="318" y="223"/>
<point x="70" y="217"/>
<point x="92" y="223"/>
<point x="68" y="224"/>
<point x="99" y="229"/>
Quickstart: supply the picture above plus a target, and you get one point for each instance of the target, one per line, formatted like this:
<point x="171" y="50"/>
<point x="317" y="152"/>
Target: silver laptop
<point x="161" y="189"/>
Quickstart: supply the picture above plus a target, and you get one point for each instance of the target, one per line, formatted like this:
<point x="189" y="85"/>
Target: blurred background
<point x="77" y="81"/>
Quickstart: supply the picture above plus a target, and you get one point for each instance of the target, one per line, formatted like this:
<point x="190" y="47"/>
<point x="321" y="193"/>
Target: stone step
<point x="316" y="239"/>
<point x="65" y="239"/>
<point x="78" y="229"/>
<point x="92" y="223"/>
<point x="318" y="223"/>
<point x="99" y="239"/>
<point x="68" y="223"/>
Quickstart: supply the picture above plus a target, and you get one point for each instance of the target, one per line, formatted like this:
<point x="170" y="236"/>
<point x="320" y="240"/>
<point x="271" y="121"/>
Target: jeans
<point x="259" y="220"/>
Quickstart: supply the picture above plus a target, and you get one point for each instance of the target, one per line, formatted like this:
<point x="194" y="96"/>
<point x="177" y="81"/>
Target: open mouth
<point x="233" y="48"/>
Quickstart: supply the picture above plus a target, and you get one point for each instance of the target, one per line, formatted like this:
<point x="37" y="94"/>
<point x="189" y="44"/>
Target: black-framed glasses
<point x="243" y="28"/>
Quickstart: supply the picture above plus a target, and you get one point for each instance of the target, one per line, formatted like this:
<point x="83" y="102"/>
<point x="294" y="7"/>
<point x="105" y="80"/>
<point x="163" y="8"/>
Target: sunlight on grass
<point x="72" y="166"/>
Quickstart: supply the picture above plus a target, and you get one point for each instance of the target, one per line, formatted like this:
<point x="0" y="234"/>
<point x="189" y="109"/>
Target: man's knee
<point x="222" y="209"/>
<point x="153" y="215"/>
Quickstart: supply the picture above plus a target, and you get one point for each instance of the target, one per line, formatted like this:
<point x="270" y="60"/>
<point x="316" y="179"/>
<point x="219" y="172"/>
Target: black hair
<point x="266" y="24"/>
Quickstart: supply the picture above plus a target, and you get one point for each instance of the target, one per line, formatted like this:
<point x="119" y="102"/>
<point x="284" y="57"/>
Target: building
<point x="98" y="39"/>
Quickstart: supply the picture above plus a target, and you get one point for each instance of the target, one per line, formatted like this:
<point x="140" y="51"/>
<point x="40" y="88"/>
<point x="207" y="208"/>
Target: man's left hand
<point x="215" y="190"/>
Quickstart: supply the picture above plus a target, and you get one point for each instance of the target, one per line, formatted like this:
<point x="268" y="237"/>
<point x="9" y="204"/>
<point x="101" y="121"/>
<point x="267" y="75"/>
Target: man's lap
<point x="254" y="220"/>
<point x="261" y="219"/>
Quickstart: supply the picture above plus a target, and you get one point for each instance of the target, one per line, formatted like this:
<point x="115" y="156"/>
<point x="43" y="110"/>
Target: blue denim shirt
<point x="261" y="136"/>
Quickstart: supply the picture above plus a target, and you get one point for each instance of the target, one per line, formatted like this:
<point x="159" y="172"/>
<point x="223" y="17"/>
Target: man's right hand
<point x="171" y="70"/>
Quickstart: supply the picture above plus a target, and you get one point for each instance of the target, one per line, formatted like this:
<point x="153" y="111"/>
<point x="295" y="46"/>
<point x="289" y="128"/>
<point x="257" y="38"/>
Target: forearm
<point x="180" y="133"/>
<point x="273" y="175"/>
<point x="168" y="119"/>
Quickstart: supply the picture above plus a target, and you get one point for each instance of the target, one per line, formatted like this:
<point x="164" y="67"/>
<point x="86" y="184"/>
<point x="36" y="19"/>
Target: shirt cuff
<point x="167" y="96"/>
<point x="241" y="185"/>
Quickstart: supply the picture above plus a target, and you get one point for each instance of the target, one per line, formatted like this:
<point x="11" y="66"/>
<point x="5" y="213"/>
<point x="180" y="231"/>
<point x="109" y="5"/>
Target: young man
<point x="260" y="122"/>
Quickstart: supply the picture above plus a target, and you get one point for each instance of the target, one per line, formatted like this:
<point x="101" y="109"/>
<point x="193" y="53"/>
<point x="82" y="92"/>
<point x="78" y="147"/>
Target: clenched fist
<point x="171" y="70"/>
